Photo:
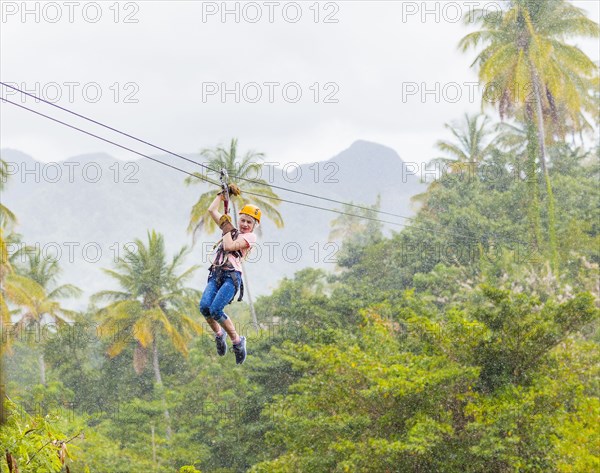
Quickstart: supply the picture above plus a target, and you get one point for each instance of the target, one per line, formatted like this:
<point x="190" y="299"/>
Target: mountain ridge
<point x="85" y="209"/>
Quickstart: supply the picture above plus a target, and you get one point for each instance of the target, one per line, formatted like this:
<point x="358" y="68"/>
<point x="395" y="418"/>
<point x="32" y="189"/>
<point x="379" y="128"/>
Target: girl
<point x="225" y="276"/>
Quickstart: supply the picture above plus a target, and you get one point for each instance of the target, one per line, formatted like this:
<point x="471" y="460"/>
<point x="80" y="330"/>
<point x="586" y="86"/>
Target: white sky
<point x="374" y="55"/>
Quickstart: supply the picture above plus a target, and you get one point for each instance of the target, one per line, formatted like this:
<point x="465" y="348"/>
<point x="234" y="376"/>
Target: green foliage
<point x="577" y="439"/>
<point x="188" y="469"/>
<point x="475" y="390"/>
<point x="451" y="346"/>
<point x="365" y="406"/>
<point x="35" y="443"/>
<point x="543" y="81"/>
<point x="522" y="332"/>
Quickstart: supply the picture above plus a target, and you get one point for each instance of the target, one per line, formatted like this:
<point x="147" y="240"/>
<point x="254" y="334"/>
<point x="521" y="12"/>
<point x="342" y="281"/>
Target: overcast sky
<point x="157" y="70"/>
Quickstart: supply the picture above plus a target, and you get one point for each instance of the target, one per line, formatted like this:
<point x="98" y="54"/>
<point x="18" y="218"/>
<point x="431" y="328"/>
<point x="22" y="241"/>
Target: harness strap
<point x="220" y="274"/>
<point x="221" y="256"/>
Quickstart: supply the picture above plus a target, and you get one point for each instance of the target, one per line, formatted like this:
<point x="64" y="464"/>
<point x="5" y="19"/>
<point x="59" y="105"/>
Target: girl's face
<point x="246" y="223"/>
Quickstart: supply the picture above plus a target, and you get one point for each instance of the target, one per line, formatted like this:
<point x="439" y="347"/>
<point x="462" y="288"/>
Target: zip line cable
<point x="200" y="164"/>
<point x="99" y="137"/>
<point x="239" y="177"/>
<point x="105" y="126"/>
<point x="193" y="174"/>
<point x="196" y="175"/>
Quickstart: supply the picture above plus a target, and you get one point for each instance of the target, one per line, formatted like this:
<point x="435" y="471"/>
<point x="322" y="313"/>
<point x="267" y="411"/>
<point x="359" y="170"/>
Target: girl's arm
<point x="232" y="245"/>
<point x="213" y="208"/>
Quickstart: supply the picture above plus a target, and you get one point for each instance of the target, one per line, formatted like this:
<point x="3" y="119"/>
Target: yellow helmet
<point x="251" y="210"/>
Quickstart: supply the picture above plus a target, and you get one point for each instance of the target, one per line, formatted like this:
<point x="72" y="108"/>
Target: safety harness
<point x="222" y="268"/>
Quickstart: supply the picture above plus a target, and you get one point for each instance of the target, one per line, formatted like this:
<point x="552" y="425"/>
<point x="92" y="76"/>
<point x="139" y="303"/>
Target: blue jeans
<point x="215" y="298"/>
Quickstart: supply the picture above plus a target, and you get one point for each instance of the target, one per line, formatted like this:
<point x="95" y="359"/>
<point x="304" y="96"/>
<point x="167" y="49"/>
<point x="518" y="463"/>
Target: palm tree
<point x="345" y="227"/>
<point x="7" y="219"/>
<point x="5" y="268"/>
<point x="152" y="303"/>
<point x="238" y="168"/>
<point x="536" y="73"/>
<point x="355" y="233"/>
<point x="517" y="143"/>
<point x="45" y="272"/>
<point x="6" y="215"/>
<point x="472" y="144"/>
<point x="29" y="287"/>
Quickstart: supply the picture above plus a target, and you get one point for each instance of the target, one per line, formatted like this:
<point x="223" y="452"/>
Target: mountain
<point x="84" y="209"/>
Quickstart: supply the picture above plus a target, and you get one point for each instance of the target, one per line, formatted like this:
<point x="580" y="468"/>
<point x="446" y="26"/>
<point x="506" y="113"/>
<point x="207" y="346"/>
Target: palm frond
<point x="65" y="291"/>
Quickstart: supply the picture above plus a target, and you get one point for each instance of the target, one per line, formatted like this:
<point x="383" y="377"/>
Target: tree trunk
<point x="153" y="448"/>
<point x="542" y="146"/>
<point x="159" y="384"/>
<point x="532" y="182"/>
<point x="42" y="368"/>
<point x="3" y="414"/>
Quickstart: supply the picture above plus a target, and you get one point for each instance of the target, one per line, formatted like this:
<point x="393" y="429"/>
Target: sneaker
<point x="221" y="343"/>
<point x="240" y="351"/>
